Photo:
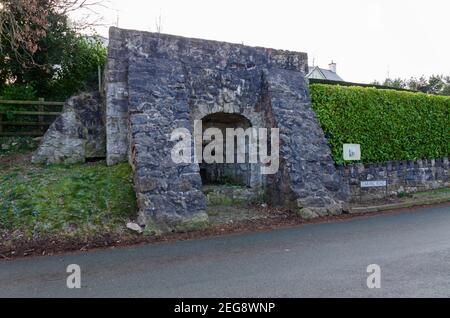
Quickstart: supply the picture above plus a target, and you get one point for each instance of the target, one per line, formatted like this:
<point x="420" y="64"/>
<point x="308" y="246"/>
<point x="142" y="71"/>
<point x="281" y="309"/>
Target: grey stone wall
<point x="77" y="134"/>
<point x="207" y="61"/>
<point x="116" y="87"/>
<point x="156" y="83"/>
<point x="307" y="178"/>
<point x="401" y="176"/>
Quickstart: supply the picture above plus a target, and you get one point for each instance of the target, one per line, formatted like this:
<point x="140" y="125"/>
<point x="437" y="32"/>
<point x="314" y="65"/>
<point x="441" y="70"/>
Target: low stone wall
<point x="401" y="177"/>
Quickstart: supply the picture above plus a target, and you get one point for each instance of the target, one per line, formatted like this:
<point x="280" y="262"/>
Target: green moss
<point x="306" y="213"/>
<point x="403" y="194"/>
<point x="78" y="199"/>
<point x="441" y="192"/>
<point x="214" y="198"/>
<point x="196" y="223"/>
<point x="151" y="228"/>
<point x="226" y="195"/>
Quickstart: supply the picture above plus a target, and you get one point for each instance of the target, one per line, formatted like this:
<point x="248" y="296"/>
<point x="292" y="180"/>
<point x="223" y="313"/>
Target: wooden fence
<point x="37" y="115"/>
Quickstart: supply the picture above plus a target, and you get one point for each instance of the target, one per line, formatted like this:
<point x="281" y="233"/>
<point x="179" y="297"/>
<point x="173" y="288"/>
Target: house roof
<point x="327" y="74"/>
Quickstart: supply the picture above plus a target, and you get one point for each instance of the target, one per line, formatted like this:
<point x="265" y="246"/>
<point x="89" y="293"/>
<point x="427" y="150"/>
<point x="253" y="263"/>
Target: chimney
<point x="332" y="67"/>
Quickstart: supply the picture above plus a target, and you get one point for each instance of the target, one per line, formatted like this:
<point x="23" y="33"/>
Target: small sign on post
<point x="352" y="151"/>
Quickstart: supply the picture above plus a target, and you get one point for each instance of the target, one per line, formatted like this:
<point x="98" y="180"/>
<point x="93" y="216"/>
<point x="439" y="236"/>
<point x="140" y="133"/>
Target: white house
<point x="321" y="73"/>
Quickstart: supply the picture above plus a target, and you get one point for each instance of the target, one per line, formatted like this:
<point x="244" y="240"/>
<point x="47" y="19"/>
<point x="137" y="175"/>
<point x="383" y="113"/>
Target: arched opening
<point x="227" y="173"/>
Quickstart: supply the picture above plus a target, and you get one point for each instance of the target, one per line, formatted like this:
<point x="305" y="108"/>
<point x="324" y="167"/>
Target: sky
<point x="367" y="39"/>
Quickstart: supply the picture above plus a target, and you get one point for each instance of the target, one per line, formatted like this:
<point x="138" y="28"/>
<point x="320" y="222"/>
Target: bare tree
<point x="23" y="23"/>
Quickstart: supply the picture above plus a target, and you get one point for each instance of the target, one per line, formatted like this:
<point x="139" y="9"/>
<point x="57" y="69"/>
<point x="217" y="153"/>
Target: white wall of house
<point x="316" y="74"/>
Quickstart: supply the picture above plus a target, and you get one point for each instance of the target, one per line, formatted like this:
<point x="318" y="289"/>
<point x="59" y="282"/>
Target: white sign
<point x="352" y="151"/>
<point x="375" y="183"/>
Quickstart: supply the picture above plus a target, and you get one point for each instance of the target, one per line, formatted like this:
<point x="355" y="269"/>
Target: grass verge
<point x="64" y="200"/>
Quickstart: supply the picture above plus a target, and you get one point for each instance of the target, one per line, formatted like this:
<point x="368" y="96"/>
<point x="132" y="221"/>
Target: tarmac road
<point x="412" y="249"/>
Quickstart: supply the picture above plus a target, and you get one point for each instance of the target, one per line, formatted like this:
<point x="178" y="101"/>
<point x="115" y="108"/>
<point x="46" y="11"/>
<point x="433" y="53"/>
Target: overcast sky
<point x="368" y="39"/>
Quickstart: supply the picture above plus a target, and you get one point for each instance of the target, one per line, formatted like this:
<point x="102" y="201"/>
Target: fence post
<point x="40" y="117"/>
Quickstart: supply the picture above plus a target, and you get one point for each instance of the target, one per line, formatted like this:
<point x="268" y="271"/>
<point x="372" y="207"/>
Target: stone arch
<point x="244" y="174"/>
<point x="256" y="118"/>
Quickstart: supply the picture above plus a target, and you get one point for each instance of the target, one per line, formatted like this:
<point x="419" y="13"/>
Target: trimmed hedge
<point x="389" y="125"/>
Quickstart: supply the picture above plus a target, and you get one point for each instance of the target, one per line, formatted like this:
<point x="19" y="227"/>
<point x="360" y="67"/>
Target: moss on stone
<point x="218" y="199"/>
<point x="196" y="223"/>
<point x="306" y="213"/>
<point x="152" y="229"/>
<point x="226" y="195"/>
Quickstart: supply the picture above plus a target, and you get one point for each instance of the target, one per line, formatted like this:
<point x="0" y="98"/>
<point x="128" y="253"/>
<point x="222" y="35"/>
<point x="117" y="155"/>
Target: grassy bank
<point x="77" y="200"/>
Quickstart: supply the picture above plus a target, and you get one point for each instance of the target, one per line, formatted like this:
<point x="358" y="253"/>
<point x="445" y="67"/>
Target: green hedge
<point x="389" y="125"/>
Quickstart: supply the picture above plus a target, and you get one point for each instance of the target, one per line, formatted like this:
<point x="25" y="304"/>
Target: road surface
<point x="318" y="260"/>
